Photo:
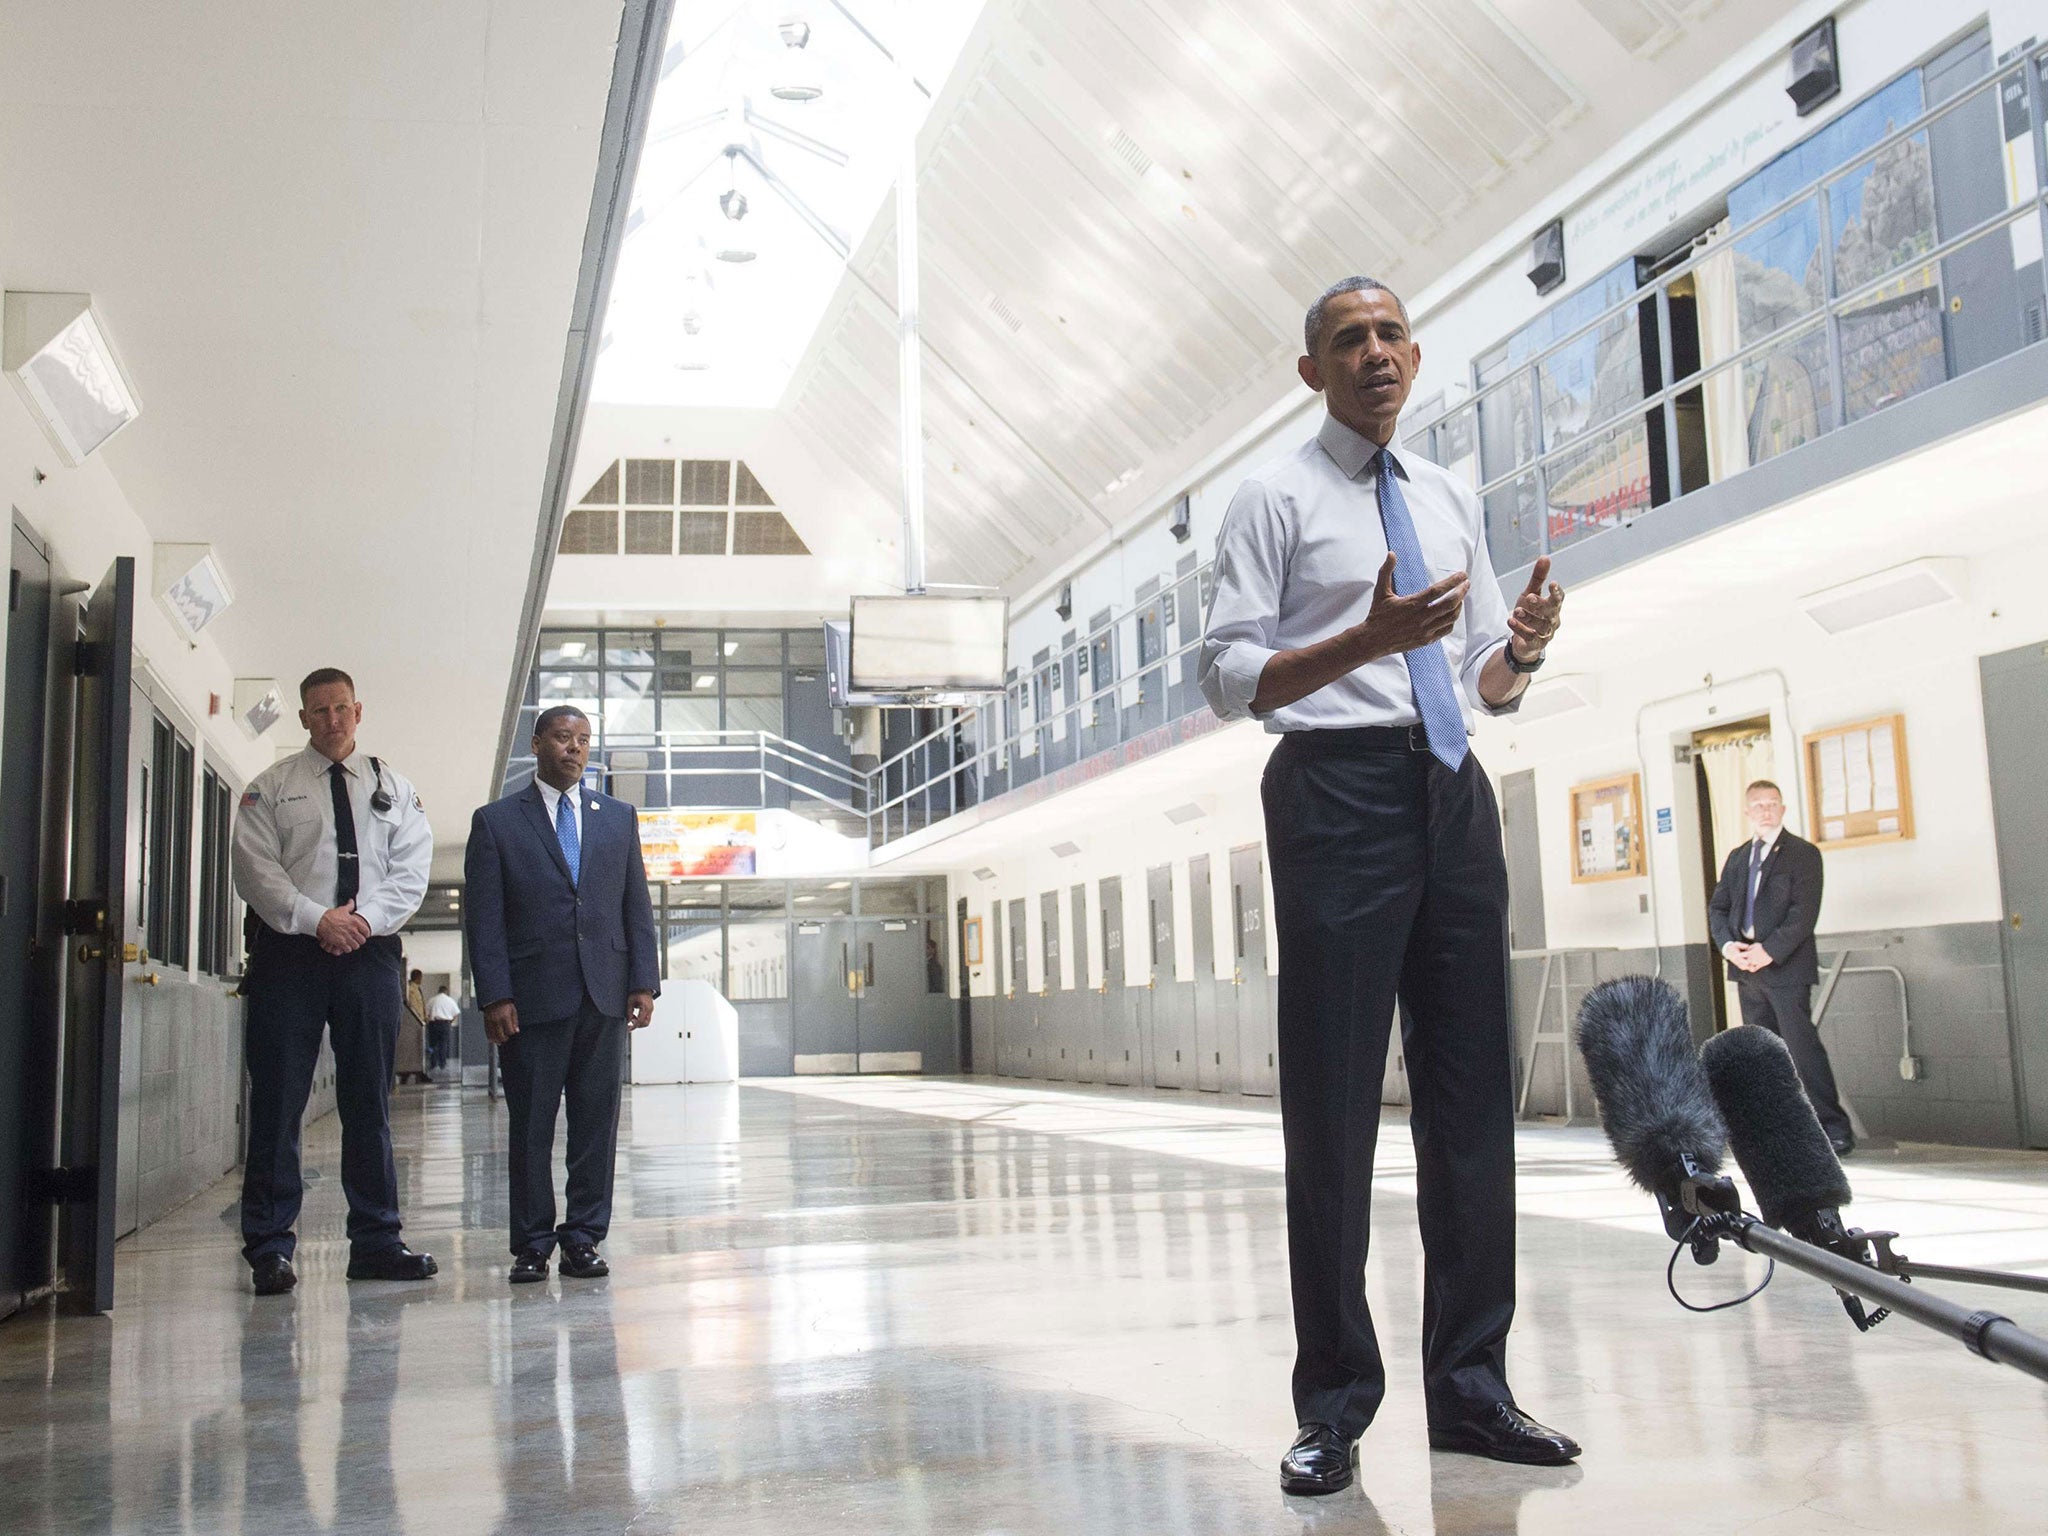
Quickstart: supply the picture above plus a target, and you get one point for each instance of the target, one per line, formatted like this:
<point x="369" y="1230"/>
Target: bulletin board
<point x="1858" y="788"/>
<point x="1607" y="830"/>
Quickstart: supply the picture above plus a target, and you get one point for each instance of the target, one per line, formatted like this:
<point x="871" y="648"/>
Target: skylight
<point x="776" y="135"/>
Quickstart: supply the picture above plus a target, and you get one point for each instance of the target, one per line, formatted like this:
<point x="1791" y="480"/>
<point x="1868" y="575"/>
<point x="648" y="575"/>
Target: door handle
<point x="1237" y="978"/>
<point x="868" y="977"/>
<point x="151" y="980"/>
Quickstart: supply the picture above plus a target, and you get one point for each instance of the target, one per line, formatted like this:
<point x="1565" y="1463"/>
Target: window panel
<point x="891" y="898"/>
<point x="754" y="714"/>
<point x="605" y="492"/>
<point x="1786" y="395"/>
<point x="706" y="482"/>
<point x="695" y="947"/>
<point x="765" y="533"/>
<point x="689" y="712"/>
<point x="629" y="704"/>
<point x="650" y="482"/>
<point x="755" y="896"/>
<point x="567" y="648"/>
<point x="749" y="492"/>
<point x="1600" y="484"/>
<point x="629" y="648"/>
<point x="821" y="898"/>
<point x="1514" y="524"/>
<point x="702" y="533"/>
<point x="650" y="533"/>
<point x="585" y="532"/>
<point x="751" y="648"/>
<point x="757" y="961"/>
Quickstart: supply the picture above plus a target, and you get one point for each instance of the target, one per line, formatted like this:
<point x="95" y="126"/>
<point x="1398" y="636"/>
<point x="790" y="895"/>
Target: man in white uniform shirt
<point x="1356" y="612"/>
<point x="332" y="850"/>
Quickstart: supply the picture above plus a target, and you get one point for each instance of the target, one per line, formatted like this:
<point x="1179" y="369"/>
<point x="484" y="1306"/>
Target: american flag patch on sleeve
<point x="252" y="797"/>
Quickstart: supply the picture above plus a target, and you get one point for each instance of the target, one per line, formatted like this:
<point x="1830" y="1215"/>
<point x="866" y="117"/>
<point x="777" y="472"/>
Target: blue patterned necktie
<point x="565" y="833"/>
<point x="1429" y="670"/>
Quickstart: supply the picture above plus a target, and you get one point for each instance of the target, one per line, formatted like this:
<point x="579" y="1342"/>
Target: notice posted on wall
<point x="1858" y="783"/>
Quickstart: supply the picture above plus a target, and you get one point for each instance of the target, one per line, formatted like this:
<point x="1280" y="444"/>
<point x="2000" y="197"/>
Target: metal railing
<point x="724" y="768"/>
<point x="1531" y="473"/>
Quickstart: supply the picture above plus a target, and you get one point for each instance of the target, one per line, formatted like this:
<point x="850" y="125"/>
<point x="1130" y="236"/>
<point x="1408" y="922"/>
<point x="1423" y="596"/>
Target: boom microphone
<point x="1654" y="1103"/>
<point x="1776" y="1137"/>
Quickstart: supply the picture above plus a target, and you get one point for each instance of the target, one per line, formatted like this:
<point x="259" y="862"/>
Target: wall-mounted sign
<point x="684" y="844"/>
<point x="1664" y="818"/>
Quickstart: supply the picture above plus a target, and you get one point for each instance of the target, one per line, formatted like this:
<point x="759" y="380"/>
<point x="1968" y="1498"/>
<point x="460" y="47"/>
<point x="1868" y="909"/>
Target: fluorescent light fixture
<point x="731" y="646"/>
<point x="58" y="355"/>
<point x="737" y="255"/>
<point x="1180" y="815"/>
<point x="572" y="650"/>
<point x="259" y="704"/>
<point x="939" y="643"/>
<point x="1065" y="850"/>
<point x="838" y="885"/>
<point x="1886" y="594"/>
<point x="190" y="586"/>
<point x="706" y="680"/>
<point x="1558" y="696"/>
<point x="984" y="874"/>
<point x="797" y="87"/>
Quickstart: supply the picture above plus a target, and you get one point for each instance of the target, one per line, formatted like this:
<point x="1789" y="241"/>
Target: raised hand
<point x="1537" y="613"/>
<point x="1396" y="624"/>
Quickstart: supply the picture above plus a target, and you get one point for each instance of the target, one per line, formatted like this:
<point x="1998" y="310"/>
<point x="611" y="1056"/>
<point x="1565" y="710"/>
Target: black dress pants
<point x="1389" y="882"/>
<point x="1787" y="1012"/>
<point x="296" y="991"/>
<point x="580" y="1060"/>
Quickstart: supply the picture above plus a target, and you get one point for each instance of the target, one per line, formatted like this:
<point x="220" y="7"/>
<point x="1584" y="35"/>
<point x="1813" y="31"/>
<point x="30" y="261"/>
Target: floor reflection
<point x="980" y="1308"/>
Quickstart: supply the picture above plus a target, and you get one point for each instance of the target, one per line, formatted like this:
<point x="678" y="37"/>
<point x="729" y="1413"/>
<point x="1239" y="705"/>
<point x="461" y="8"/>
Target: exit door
<point x="2016" y="738"/>
<point x="865" y="995"/>
<point x="1257" y="1032"/>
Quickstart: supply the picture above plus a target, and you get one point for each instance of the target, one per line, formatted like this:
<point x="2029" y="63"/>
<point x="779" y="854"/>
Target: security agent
<point x="1388" y="879"/>
<point x="332" y="850"/>
<point x="561" y="941"/>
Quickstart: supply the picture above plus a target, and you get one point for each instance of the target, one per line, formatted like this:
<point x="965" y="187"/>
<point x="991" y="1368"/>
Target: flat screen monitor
<point x="941" y="644"/>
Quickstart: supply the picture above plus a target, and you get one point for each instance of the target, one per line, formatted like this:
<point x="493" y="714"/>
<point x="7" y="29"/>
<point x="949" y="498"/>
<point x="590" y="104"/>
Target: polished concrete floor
<point x="984" y="1307"/>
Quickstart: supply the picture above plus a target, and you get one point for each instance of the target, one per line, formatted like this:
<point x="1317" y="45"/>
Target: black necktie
<point x="348" y="877"/>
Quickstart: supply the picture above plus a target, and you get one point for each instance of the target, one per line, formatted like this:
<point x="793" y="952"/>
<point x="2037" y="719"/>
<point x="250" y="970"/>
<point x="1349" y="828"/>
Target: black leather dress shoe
<point x="582" y="1261"/>
<point x="1318" y="1462"/>
<point x="1504" y="1433"/>
<point x="273" y="1275"/>
<point x="530" y="1266"/>
<point x="399" y="1263"/>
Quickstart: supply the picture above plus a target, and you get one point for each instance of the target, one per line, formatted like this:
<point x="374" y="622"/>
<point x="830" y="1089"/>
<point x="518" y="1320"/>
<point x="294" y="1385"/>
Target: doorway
<point x="1726" y="760"/>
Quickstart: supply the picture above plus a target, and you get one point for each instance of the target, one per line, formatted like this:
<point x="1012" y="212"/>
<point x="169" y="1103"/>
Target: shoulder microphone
<point x="1654" y="1104"/>
<point x="1776" y="1137"/>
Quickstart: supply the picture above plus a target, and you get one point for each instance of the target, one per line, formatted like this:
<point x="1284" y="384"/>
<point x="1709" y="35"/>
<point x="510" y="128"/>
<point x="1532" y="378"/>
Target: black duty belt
<point x="1360" y="739"/>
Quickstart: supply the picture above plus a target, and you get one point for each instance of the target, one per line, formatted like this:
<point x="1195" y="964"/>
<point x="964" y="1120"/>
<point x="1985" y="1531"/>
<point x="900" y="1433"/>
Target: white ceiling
<point x="1127" y="204"/>
<point x="336" y="246"/>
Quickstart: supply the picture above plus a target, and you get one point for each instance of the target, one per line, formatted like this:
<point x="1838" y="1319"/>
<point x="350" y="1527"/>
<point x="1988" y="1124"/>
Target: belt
<point x="1360" y="739"/>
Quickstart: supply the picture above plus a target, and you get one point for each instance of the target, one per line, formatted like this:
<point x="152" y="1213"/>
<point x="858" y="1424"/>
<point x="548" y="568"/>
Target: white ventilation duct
<point x="1558" y="696"/>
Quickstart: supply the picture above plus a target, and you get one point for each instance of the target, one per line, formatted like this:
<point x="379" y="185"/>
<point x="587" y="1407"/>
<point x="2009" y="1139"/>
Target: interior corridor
<point x="923" y="1305"/>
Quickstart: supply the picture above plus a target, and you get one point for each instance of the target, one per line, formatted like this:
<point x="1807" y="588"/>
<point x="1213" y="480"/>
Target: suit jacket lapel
<point x="536" y="810"/>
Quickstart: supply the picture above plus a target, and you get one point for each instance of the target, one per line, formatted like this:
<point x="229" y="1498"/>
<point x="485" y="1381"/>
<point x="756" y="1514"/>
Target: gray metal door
<point x="1525" y="860"/>
<point x="1257" y="1043"/>
<point x="1081" y="1006"/>
<point x="999" y="994"/>
<point x="1212" y="1075"/>
<point x="1099" y="716"/>
<point x="1052" y="1011"/>
<point x="1983" y="318"/>
<point x="1170" y="1065"/>
<point x="94" y="964"/>
<point x="899" y="1021"/>
<point x="823" y="985"/>
<point x="145" y="798"/>
<point x="2016" y="738"/>
<point x="27" y="1070"/>
<point x="1021" y="1015"/>
<point x="1121" y="1058"/>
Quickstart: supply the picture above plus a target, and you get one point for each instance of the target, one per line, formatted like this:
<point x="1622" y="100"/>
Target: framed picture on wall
<point x="1607" y="829"/>
<point x="1857" y="783"/>
<point x="970" y="940"/>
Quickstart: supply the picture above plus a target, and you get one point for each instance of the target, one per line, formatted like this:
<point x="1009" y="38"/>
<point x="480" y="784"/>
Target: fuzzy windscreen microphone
<point x="1653" y="1097"/>
<point x="1777" y="1139"/>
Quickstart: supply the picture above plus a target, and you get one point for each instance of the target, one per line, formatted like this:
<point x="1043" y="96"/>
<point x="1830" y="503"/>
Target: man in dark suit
<point x="561" y="941"/>
<point x="1762" y="919"/>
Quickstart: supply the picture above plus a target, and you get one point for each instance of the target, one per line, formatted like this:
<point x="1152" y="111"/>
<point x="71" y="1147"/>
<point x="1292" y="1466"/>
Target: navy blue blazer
<point x="542" y="941"/>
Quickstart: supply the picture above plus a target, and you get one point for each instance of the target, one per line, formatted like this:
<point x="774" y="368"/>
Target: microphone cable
<point x="1671" y="1276"/>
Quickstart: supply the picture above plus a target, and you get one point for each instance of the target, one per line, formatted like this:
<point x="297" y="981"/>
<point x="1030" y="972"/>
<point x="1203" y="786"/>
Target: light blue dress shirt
<point x="1300" y="550"/>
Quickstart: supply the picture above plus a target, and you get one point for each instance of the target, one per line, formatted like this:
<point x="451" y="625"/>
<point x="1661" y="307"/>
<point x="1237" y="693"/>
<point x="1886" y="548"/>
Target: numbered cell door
<point x="1052" y="1006"/>
<point x="1171" y="1064"/>
<point x="1257" y="1020"/>
<point x="1020" y="1011"/>
<point x="1121" y="1059"/>
<point x="1081" y="1005"/>
<point x="1215" y="1044"/>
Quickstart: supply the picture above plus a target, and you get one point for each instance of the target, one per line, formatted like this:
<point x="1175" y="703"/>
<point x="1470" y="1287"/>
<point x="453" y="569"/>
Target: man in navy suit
<point x="1762" y="918"/>
<point x="561" y="941"/>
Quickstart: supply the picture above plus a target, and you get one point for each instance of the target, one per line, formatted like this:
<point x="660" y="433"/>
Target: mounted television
<point x="929" y="645"/>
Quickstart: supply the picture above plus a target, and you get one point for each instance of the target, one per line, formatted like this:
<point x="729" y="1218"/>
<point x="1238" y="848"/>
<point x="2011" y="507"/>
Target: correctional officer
<point x="1356" y="612"/>
<point x="332" y="850"/>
